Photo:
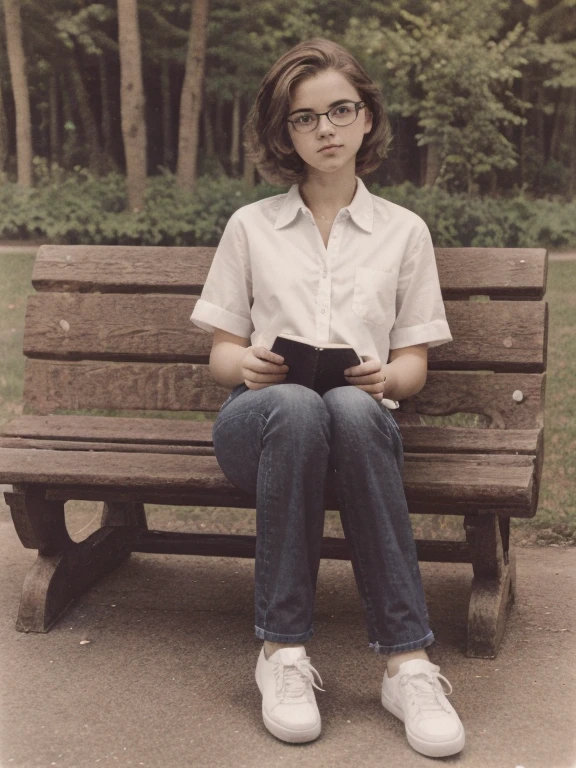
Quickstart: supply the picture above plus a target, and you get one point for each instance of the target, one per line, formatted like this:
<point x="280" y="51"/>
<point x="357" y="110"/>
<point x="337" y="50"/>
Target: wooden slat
<point x="498" y="272"/>
<point x="230" y="545"/>
<point x="50" y="385"/>
<point x="19" y="443"/>
<point x="498" y="336"/>
<point x="114" y="327"/>
<point x="174" y="432"/>
<point x="124" y="269"/>
<point x="501" y="273"/>
<point x="480" y="481"/>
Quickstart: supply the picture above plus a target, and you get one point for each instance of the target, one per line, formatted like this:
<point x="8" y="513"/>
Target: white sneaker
<point x="416" y="696"/>
<point x="289" y="706"/>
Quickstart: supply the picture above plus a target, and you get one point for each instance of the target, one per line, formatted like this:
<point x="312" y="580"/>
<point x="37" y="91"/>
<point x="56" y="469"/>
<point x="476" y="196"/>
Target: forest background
<point x="122" y="121"/>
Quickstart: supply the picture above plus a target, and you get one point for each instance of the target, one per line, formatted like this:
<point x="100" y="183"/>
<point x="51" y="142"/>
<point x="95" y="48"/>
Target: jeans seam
<point x="266" y="527"/>
<point x="361" y="564"/>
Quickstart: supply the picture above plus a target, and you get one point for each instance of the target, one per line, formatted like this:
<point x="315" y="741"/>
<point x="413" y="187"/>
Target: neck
<point x="325" y="195"/>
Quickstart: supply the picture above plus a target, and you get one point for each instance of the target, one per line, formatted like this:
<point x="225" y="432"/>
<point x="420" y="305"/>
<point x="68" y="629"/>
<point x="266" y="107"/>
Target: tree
<point x="17" y="62"/>
<point x="191" y="99"/>
<point x="132" y="102"/>
<point x="446" y="65"/>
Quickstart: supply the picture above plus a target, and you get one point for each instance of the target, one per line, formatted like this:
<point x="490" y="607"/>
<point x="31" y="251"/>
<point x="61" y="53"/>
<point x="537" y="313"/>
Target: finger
<point x="267" y="354"/>
<point x="367" y="368"/>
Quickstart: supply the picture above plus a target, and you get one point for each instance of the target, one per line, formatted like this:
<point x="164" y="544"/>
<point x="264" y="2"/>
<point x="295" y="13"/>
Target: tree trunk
<point x="167" y="151"/>
<point x="249" y="169"/>
<point x="571" y="138"/>
<point x="191" y="99"/>
<point x="4" y="147"/>
<point x="17" y="63"/>
<point x="432" y="165"/>
<point x="208" y="130"/>
<point x="235" y="146"/>
<point x="106" y="114"/>
<point x="55" y="149"/>
<point x="87" y="118"/>
<point x="132" y="102"/>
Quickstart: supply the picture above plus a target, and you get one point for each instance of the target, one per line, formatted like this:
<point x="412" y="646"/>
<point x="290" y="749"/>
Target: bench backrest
<point x="109" y="328"/>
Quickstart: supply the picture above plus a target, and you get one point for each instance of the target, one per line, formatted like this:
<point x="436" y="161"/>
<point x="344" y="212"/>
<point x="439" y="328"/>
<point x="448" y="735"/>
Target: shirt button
<point x="322" y="311"/>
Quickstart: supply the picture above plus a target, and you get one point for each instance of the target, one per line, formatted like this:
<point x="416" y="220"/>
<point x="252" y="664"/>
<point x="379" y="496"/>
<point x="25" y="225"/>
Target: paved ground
<point x="166" y="680"/>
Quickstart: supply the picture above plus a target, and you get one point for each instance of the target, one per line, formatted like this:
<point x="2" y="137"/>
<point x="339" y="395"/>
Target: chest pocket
<point x="374" y="298"/>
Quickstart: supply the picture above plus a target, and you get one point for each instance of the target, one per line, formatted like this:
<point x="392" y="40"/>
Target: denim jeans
<point x="279" y="444"/>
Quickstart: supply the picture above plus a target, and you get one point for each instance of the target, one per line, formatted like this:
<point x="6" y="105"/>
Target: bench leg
<point x="493" y="585"/>
<point x="64" y="569"/>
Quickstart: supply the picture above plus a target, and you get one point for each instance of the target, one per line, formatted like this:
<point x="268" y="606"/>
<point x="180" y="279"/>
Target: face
<point x="316" y="94"/>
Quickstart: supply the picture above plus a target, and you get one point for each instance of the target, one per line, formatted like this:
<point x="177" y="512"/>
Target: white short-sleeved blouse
<point x="374" y="287"/>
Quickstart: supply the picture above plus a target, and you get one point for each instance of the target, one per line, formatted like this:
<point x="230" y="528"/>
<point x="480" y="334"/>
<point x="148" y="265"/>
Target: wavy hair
<point x="266" y="137"/>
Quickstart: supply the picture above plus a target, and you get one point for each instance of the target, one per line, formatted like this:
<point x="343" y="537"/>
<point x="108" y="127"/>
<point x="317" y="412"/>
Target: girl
<point x="331" y="262"/>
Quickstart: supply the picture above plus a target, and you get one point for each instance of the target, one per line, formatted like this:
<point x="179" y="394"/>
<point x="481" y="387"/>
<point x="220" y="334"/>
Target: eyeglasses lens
<point x="343" y="114"/>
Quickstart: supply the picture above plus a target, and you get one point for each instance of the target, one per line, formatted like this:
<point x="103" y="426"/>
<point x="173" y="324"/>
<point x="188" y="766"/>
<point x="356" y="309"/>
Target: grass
<point x="555" y="522"/>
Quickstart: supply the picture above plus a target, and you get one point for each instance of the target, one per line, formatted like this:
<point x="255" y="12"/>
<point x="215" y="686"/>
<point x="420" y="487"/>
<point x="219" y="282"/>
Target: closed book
<point x="317" y="365"/>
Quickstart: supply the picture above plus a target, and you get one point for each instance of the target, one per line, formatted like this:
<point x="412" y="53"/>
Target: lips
<point x="330" y="146"/>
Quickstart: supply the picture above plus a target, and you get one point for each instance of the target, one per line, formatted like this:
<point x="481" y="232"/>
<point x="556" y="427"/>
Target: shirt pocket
<point x="374" y="298"/>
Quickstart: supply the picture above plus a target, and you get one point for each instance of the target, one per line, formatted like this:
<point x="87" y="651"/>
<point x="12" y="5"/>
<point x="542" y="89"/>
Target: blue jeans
<point x="280" y="444"/>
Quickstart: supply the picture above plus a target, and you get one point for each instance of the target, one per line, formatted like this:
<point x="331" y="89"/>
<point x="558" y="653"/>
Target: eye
<point x="303" y="120"/>
<point x="343" y="109"/>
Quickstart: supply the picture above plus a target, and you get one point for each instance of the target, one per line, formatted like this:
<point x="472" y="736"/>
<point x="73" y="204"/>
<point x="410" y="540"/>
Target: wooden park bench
<point x="109" y="329"/>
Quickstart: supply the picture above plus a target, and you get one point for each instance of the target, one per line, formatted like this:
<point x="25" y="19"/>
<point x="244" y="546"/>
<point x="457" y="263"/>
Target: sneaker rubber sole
<point x="292" y="735"/>
<point x="427" y="748"/>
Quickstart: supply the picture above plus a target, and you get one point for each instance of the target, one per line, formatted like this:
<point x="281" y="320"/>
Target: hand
<point x="262" y="368"/>
<point x="369" y="376"/>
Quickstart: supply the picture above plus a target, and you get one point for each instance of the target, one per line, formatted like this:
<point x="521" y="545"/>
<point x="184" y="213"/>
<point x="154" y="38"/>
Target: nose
<point x="324" y="125"/>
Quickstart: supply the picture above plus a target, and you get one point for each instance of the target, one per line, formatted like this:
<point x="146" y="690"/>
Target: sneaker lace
<point x="292" y="680"/>
<point x="425" y="690"/>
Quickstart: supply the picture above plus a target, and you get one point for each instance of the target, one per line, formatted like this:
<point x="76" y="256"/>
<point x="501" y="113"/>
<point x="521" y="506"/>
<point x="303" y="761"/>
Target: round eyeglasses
<point x="344" y="114"/>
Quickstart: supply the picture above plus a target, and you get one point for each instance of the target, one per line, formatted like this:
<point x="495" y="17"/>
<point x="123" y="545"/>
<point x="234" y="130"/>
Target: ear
<point x="367" y="120"/>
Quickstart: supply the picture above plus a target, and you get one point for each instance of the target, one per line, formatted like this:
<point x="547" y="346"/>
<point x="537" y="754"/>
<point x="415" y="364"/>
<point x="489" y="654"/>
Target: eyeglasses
<point x="344" y="114"/>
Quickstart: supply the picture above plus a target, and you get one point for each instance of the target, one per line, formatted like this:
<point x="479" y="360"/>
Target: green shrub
<point x="77" y="207"/>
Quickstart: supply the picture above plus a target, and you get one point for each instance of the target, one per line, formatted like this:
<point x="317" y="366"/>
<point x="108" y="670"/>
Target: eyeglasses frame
<point x="358" y="105"/>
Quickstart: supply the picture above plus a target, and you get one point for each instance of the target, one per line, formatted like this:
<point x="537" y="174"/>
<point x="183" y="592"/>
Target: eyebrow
<point x="334" y="104"/>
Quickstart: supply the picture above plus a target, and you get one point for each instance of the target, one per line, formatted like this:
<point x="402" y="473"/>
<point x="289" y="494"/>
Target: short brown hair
<point x="266" y="137"/>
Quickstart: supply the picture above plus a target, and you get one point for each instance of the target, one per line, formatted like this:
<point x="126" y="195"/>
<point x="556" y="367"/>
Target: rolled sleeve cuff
<point x="435" y="333"/>
<point x="208" y="317"/>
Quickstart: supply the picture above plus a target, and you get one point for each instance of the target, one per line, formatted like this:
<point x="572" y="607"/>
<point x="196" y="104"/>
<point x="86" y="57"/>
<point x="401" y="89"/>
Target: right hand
<point x="262" y="368"/>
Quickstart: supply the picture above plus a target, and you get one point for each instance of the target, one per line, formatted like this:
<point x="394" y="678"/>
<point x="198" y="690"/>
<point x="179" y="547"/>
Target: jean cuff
<point x="274" y="637"/>
<point x="415" y="645"/>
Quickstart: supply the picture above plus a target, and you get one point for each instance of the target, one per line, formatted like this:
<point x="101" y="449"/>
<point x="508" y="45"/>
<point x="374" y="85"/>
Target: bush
<point x="78" y="208"/>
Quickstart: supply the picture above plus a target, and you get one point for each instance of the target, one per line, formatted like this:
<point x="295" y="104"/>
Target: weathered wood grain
<point x="55" y="581"/>
<point x="493" y="586"/>
<point x="498" y="272"/>
<point x="475" y="480"/>
<point x="498" y="336"/>
<point x="121" y="268"/>
<point x="52" y="385"/>
<point x="174" y="432"/>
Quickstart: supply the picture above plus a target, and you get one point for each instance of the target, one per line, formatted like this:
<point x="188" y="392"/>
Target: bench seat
<point x="174" y="459"/>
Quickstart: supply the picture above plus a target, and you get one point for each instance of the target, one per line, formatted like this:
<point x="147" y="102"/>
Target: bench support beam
<point x="64" y="569"/>
<point x="493" y="585"/>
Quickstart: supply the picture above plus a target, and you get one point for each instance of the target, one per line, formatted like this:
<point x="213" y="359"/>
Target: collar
<point x="361" y="209"/>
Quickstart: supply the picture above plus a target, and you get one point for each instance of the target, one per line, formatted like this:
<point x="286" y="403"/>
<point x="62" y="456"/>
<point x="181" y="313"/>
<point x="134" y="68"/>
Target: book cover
<point x="317" y="365"/>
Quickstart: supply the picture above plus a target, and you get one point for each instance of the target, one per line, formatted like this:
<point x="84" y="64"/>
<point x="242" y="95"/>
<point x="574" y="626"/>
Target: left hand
<point x="369" y="376"/>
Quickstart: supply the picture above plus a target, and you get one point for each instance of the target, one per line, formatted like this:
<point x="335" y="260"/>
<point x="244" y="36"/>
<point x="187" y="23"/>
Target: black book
<point x="319" y="366"/>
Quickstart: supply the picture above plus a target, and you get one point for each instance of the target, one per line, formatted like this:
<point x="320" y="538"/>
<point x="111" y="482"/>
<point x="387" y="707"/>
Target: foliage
<point x="81" y="208"/>
<point x="447" y="66"/>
